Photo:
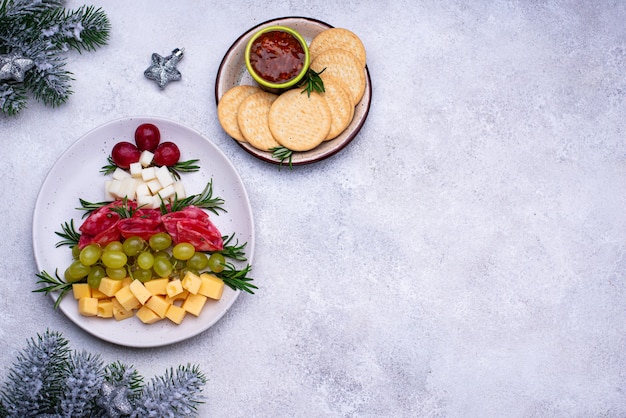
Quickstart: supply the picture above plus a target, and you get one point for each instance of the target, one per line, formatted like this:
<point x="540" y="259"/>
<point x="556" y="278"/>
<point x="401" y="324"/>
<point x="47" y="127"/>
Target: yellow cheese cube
<point x="176" y="298"/>
<point x="88" y="306"/>
<point x="174" y="288"/>
<point x="147" y="315"/>
<point x="126" y="298"/>
<point x="105" y="308"/>
<point x="139" y="291"/>
<point x="157" y="286"/>
<point x="109" y="286"/>
<point x="119" y="312"/>
<point x="212" y="286"/>
<point x="191" y="282"/>
<point x="176" y="314"/>
<point x="95" y="293"/>
<point x="158" y="305"/>
<point x="81" y="290"/>
<point x="126" y="281"/>
<point x="194" y="304"/>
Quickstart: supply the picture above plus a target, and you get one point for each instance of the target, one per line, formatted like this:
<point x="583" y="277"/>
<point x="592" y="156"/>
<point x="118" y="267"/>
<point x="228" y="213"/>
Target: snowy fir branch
<point x="39" y="32"/>
<point x="49" y="380"/>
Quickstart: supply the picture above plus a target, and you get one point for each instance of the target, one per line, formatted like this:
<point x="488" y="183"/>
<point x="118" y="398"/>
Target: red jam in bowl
<point x="277" y="56"/>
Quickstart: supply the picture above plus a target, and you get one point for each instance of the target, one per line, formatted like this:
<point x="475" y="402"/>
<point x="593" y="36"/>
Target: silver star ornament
<point x="14" y="66"/>
<point x="163" y="70"/>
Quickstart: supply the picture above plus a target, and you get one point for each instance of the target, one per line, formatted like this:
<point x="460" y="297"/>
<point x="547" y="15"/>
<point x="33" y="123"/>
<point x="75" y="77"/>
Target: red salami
<point x="139" y="227"/>
<point x="101" y="219"/>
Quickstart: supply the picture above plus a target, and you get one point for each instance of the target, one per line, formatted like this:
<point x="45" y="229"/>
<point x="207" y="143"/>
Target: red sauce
<point x="277" y="56"/>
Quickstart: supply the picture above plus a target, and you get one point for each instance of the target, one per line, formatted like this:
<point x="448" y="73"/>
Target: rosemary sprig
<point x="69" y="234"/>
<point x="236" y="251"/>
<point x="183" y="167"/>
<point x="124" y="210"/>
<point x="89" y="207"/>
<point x="109" y="168"/>
<point x="54" y="284"/>
<point x="282" y="153"/>
<point x="312" y="82"/>
<point x="204" y="200"/>
<point x="237" y="279"/>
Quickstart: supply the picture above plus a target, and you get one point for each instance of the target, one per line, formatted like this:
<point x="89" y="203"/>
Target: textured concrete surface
<point x="463" y="257"/>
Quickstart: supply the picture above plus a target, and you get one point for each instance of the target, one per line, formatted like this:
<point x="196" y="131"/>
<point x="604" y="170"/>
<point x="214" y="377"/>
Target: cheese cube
<point x="175" y="314"/>
<point x="107" y="194"/>
<point x="176" y="298"/>
<point x="112" y="188"/>
<point x="179" y="190"/>
<point x="164" y="176"/>
<point x="191" y="282"/>
<point x="88" y="306"/>
<point x="81" y="290"/>
<point x="139" y="291"/>
<point x="126" y="281"/>
<point x="212" y="286"/>
<point x="119" y="312"/>
<point x="154" y="186"/>
<point x="120" y="174"/>
<point x="145" y="201"/>
<point x="145" y="159"/>
<point x="95" y="293"/>
<point x="166" y="193"/>
<point x="158" y="305"/>
<point x="128" y="188"/>
<point x="105" y="308"/>
<point x="135" y="169"/>
<point x="194" y="304"/>
<point x="109" y="286"/>
<point x="142" y="189"/>
<point x="148" y="173"/>
<point x="174" y="288"/>
<point x="157" y="286"/>
<point x="126" y="298"/>
<point x="147" y="315"/>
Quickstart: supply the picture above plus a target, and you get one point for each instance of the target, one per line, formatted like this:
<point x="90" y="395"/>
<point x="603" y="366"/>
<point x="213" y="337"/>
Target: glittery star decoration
<point x="163" y="70"/>
<point x="14" y="66"/>
<point x="115" y="400"/>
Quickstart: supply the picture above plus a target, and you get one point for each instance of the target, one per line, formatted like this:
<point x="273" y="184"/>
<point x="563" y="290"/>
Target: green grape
<point x="75" y="252"/>
<point x="162" y="254"/>
<point x="77" y="271"/>
<point x="114" y="246"/>
<point x="132" y="246"/>
<point x="162" y="267"/>
<point x="183" y="251"/>
<point x="145" y="260"/>
<point x="143" y="275"/>
<point x="198" y="262"/>
<point x="90" y="254"/>
<point x="116" y="273"/>
<point x="160" y="241"/>
<point x="114" y="259"/>
<point x="216" y="262"/>
<point x="96" y="273"/>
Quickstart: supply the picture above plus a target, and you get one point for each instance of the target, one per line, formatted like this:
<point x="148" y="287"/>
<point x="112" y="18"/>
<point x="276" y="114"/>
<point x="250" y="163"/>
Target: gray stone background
<point x="464" y="256"/>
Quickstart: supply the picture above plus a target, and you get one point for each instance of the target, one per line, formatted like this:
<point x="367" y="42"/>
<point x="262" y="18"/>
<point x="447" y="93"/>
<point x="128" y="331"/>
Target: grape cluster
<point x="140" y="259"/>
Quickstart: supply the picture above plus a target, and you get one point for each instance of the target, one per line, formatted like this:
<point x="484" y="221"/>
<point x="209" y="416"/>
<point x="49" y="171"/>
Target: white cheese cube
<point x="113" y="188"/>
<point x="179" y="190"/>
<point x="146" y="202"/>
<point x="166" y="192"/>
<point x="128" y="188"/>
<point x="148" y="173"/>
<point x="156" y="201"/>
<point x="142" y="190"/>
<point x="154" y="186"/>
<point x="120" y="174"/>
<point x="107" y="193"/>
<point x="135" y="169"/>
<point x="164" y="176"/>
<point x="146" y="158"/>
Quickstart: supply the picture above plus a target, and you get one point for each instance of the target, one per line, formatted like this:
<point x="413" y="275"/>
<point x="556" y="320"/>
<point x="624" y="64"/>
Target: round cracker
<point x="298" y="121"/>
<point x="252" y="118"/>
<point x="344" y="66"/>
<point x="338" y="38"/>
<point x="340" y="103"/>
<point x="228" y="107"/>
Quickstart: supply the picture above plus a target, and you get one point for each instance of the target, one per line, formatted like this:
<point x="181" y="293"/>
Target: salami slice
<point x="140" y="227"/>
<point x="204" y="237"/>
<point x="100" y="219"/>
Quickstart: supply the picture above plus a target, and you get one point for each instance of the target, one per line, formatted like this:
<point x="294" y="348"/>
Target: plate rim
<point x="265" y="155"/>
<point x="242" y="195"/>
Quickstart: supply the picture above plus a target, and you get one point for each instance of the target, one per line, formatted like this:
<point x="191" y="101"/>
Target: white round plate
<point x="233" y="72"/>
<point x="77" y="175"/>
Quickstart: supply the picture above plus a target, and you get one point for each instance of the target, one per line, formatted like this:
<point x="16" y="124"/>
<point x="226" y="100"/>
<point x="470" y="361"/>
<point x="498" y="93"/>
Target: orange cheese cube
<point x="174" y="288"/>
<point x="105" y="308"/>
<point x="119" y="312"/>
<point x="157" y="286"/>
<point x="194" y="304"/>
<point x="191" y="282"/>
<point x="81" y="290"/>
<point x="126" y="298"/>
<point x="88" y="306"/>
<point x="95" y="293"/>
<point x="139" y="291"/>
<point x="179" y="297"/>
<point x="212" y="286"/>
<point x="109" y="286"/>
<point x="158" y="305"/>
<point x="176" y="314"/>
<point x="147" y="315"/>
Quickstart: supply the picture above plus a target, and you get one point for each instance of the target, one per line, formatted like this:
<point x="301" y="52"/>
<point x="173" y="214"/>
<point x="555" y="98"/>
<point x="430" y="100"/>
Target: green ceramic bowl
<point x="272" y="84"/>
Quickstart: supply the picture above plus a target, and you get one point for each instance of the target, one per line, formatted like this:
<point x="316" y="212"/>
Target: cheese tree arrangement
<point x="48" y="379"/>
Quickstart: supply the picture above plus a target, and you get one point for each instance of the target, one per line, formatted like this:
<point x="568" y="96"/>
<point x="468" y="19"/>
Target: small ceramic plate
<point x="76" y="174"/>
<point x="232" y="72"/>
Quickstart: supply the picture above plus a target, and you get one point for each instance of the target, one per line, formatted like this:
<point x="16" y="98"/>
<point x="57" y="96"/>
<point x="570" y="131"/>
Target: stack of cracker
<point x="293" y="119"/>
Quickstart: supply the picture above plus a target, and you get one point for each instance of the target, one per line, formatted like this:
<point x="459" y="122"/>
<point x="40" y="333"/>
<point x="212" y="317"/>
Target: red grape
<point x="147" y="137"/>
<point x="167" y="153"/>
<point x="124" y="154"/>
